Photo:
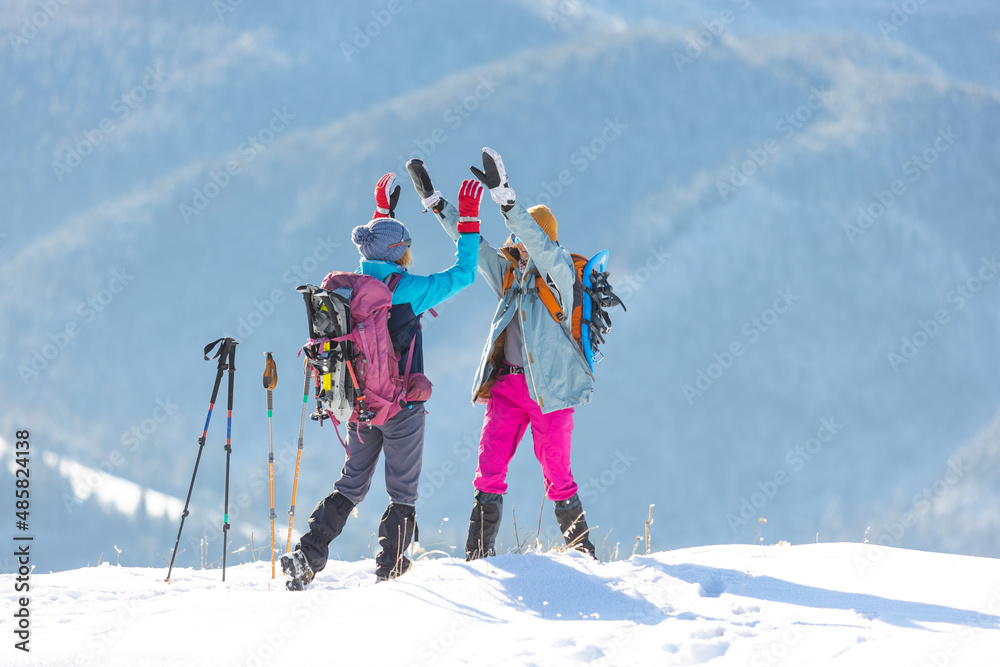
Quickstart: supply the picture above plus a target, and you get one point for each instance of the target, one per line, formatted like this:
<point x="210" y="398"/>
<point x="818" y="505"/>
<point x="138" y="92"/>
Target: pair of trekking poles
<point x="226" y="354"/>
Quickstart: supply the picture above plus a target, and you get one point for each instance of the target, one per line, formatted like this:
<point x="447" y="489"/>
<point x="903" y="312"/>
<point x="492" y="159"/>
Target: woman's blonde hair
<point x="406" y="261"/>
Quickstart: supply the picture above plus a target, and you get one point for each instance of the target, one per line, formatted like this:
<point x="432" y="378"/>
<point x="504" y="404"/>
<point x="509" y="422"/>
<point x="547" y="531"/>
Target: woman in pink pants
<point x="509" y="411"/>
<point x="532" y="371"/>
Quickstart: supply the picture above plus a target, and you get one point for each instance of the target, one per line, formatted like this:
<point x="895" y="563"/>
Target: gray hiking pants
<point x="402" y="439"/>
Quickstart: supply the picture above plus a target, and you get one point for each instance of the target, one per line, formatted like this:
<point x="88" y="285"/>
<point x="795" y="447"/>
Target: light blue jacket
<point x="556" y="370"/>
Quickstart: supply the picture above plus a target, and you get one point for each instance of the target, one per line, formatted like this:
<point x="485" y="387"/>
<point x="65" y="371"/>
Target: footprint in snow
<point x="708" y="633"/>
<point x="699" y="653"/>
<point x="712" y="588"/>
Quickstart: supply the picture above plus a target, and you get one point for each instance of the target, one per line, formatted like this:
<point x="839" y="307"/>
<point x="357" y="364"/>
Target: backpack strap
<point x="392" y="281"/>
<point x="549" y="299"/>
<point x="508" y="278"/>
<point x="409" y="363"/>
<point x="542" y="288"/>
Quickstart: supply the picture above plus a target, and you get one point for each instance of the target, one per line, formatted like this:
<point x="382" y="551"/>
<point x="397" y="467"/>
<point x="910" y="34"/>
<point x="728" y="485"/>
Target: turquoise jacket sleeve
<point x="425" y="292"/>
<point x="491" y="265"/>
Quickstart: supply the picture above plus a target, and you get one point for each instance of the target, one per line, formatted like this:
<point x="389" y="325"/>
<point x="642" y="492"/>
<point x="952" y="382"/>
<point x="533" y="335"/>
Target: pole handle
<point x="226" y="345"/>
<point x="270" y="372"/>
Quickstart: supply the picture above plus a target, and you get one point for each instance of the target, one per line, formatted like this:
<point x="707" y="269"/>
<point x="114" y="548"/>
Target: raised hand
<point x="469" y="197"/>
<point x="429" y="197"/>
<point x="386" y="197"/>
<point x="494" y="176"/>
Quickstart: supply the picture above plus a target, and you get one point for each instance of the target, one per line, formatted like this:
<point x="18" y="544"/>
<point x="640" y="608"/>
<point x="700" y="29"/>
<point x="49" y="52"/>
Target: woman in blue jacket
<point x="384" y="244"/>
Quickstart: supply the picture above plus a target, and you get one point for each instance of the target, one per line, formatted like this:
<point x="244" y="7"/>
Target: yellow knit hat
<point x="543" y="216"/>
<point x="545" y="220"/>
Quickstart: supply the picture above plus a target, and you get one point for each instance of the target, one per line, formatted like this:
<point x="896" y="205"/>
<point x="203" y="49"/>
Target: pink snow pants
<point x="509" y="411"/>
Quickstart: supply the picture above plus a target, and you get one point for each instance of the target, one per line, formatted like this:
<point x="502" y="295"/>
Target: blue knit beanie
<point x="383" y="239"/>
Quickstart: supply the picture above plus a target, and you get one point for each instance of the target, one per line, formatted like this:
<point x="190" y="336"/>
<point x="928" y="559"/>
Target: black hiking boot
<point x="325" y="523"/>
<point x="483" y="525"/>
<point x="398" y="525"/>
<point x="570" y="515"/>
<point x="296" y="567"/>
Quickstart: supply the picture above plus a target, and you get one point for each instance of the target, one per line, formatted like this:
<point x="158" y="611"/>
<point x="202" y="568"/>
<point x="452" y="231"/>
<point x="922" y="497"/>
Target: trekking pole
<point x="229" y="451"/>
<point x="270" y="382"/>
<point x="222" y="356"/>
<point x="306" y="367"/>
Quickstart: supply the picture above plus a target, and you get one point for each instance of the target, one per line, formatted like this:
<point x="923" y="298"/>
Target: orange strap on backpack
<point x="547" y="297"/>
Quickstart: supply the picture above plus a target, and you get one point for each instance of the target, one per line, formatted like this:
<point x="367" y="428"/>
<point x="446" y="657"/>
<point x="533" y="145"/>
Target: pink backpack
<point x="350" y="348"/>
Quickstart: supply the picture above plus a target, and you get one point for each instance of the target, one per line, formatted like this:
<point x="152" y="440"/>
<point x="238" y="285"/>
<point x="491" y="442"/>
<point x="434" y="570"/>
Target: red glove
<point x="386" y="197"/>
<point x="468" y="206"/>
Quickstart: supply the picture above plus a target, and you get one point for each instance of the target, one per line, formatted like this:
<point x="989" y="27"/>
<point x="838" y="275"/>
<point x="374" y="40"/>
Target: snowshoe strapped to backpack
<point x="592" y="295"/>
<point x="350" y="349"/>
<point x="329" y="318"/>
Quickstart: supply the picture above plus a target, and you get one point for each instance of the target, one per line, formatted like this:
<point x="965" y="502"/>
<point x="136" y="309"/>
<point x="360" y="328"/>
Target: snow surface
<point x="816" y="604"/>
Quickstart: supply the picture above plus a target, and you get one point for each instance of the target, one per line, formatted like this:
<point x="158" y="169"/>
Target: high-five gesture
<point x="386" y="197"/>
<point x="494" y="176"/>
<point x="469" y="197"/>
<point x="429" y="197"/>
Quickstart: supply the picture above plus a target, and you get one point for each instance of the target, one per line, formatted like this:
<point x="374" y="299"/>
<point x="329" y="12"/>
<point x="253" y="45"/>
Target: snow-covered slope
<point x="855" y="605"/>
